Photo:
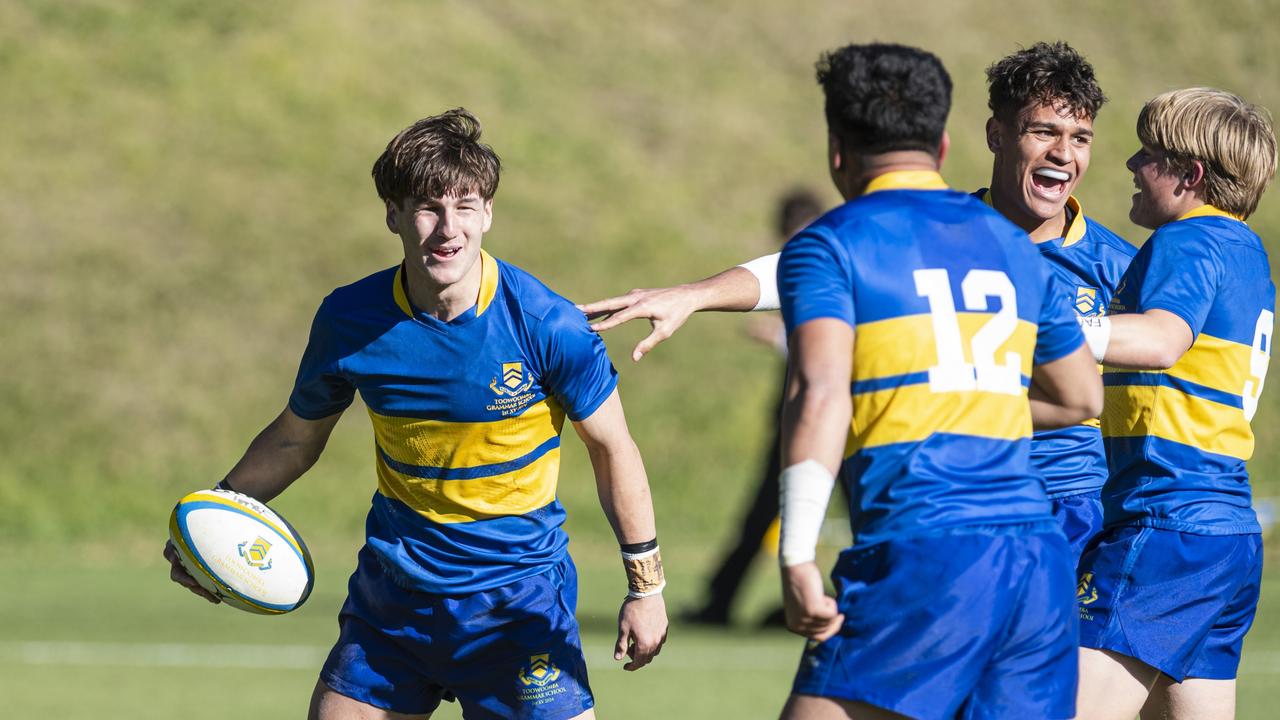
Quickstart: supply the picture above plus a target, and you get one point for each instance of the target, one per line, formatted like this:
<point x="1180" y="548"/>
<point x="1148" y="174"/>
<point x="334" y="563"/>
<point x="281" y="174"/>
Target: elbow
<point x="1092" y="408"/>
<point x="1163" y="358"/>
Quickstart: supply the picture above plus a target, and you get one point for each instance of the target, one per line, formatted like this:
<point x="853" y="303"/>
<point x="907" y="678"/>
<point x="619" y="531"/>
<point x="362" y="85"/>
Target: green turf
<point x="121" y="642"/>
<point x="182" y="181"/>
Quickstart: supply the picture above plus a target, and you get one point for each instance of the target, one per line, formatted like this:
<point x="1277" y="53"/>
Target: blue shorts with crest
<point x="972" y="622"/>
<point x="510" y="652"/>
<point x="1178" y="602"/>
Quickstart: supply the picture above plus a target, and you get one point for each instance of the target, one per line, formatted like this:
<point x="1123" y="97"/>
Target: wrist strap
<point x="644" y="569"/>
<point x="805" y="490"/>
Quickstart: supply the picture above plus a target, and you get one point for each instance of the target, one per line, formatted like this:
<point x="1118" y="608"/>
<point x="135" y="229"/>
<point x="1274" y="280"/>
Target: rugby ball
<point x="242" y="551"/>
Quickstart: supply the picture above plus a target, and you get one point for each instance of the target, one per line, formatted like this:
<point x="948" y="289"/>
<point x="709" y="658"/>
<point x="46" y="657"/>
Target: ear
<point x="835" y="154"/>
<point x="488" y="214"/>
<point x="1193" y="178"/>
<point x="393" y="223"/>
<point x="943" y="148"/>
<point x="993" y="134"/>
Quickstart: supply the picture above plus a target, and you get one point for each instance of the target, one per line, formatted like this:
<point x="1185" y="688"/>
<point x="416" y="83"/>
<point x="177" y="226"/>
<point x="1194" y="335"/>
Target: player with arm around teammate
<point x="916" y="315"/>
<point x="1044" y="100"/>
<point x="1169" y="589"/>
<point x="469" y="367"/>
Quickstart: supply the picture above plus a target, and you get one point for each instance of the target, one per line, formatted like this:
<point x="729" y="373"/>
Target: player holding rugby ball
<point x="469" y="367"/>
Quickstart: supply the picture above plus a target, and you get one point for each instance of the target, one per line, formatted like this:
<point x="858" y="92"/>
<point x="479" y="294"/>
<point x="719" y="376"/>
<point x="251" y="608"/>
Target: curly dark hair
<point x="1045" y="73"/>
<point x="437" y="156"/>
<point x="882" y="97"/>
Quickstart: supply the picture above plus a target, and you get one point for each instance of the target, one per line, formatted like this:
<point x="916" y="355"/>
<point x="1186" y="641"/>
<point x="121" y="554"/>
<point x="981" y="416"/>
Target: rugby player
<point x="1168" y="590"/>
<point x="469" y="367"/>
<point x="955" y="598"/>
<point x="1043" y="101"/>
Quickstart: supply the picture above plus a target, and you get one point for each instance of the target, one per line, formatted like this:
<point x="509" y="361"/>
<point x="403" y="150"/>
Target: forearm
<point x="1154" y="340"/>
<point x="623" y="488"/>
<point x="815" y="424"/>
<point x="734" y="290"/>
<point x="279" y="455"/>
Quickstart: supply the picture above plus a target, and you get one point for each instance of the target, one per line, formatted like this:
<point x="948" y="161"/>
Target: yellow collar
<point x="1075" y="230"/>
<point x="488" y="286"/>
<point x="1209" y="211"/>
<point x="906" y="180"/>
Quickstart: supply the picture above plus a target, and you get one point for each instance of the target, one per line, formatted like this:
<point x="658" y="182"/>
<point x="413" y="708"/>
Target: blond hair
<point x="1232" y="139"/>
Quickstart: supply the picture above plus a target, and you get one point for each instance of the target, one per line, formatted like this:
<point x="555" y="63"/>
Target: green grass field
<point x="182" y="182"/>
<point x="121" y="642"/>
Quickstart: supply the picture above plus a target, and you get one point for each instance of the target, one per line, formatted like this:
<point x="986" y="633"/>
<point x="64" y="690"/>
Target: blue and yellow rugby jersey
<point x="1178" y="439"/>
<point x="1089" y="261"/>
<point x="950" y="305"/>
<point x="466" y="419"/>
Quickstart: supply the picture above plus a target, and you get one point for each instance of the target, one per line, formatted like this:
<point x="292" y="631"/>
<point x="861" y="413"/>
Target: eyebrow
<point x="1042" y="125"/>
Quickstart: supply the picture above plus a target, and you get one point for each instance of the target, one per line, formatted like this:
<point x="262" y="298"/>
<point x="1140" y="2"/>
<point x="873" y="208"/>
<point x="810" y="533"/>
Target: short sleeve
<point x="576" y="366"/>
<point x="1182" y="275"/>
<point x="320" y="389"/>
<point x="1058" y="334"/>
<point x="815" y="280"/>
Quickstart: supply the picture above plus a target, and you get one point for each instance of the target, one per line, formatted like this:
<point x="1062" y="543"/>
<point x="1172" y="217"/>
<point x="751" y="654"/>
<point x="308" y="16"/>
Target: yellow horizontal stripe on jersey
<point x="1215" y="363"/>
<point x="905" y="345"/>
<point x="1164" y="412"/>
<point x="913" y="412"/>
<point x="456" y="501"/>
<point x="439" y="443"/>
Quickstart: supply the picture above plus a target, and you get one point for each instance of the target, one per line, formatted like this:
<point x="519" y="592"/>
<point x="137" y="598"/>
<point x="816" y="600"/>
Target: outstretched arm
<point x="738" y="289"/>
<point x="815" y="426"/>
<point x="623" y="488"/>
<point x="280" y="454"/>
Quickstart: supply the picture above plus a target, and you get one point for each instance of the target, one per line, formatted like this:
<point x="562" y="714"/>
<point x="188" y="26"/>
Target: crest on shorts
<point x="513" y="380"/>
<point x="255" y="553"/>
<point x="1087" y="301"/>
<point x="539" y="671"/>
<point x="1086" y="591"/>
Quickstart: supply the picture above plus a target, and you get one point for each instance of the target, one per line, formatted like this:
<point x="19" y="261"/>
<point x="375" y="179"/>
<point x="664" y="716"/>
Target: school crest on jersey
<point x="512" y="386"/>
<point x="1087" y="304"/>
<point x="512" y="382"/>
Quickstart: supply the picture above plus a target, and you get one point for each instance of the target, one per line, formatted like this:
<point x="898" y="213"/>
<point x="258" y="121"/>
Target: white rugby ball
<point x="242" y="551"/>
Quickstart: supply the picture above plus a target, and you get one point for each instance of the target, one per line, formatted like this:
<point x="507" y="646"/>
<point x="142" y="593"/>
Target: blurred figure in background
<point x="797" y="209"/>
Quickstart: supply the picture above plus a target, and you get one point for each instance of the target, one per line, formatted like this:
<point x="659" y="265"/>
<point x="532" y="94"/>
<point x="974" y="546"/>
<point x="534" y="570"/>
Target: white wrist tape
<point x="805" y="490"/>
<point x="766" y="271"/>
<point x="1097" y="333"/>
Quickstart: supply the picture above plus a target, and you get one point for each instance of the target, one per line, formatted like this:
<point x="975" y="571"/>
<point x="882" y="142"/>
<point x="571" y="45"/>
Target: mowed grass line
<point x="134" y="646"/>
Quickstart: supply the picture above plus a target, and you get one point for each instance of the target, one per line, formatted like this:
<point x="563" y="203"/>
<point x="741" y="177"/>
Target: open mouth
<point x="441" y="253"/>
<point x="1049" y="182"/>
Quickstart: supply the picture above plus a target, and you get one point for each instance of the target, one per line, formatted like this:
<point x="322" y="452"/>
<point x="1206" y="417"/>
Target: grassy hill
<point x="183" y="181"/>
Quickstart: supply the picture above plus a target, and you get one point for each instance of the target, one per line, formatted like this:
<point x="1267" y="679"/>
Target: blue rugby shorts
<point x="1178" y="602"/>
<point x="1080" y="517"/>
<point x="970" y="623"/>
<point x="511" y="652"/>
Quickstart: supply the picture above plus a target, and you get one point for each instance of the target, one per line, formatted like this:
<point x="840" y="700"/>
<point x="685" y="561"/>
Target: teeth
<point x="1053" y="174"/>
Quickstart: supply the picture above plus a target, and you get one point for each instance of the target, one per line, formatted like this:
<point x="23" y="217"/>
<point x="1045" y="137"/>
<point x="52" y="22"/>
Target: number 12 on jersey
<point x="981" y="372"/>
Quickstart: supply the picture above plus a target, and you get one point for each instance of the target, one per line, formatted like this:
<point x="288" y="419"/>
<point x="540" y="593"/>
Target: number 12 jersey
<point x="951" y="305"/>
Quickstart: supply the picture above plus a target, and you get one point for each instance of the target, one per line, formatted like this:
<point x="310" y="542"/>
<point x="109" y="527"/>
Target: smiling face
<point x="1163" y="193"/>
<point x="1040" y="157"/>
<point x="441" y="236"/>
